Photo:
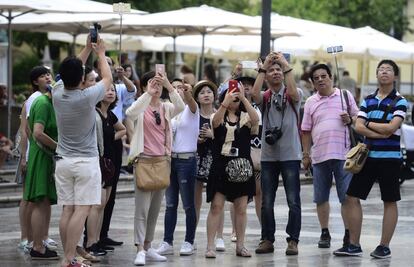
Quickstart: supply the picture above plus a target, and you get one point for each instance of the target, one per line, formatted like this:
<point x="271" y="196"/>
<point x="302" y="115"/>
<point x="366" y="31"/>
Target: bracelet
<point x="224" y="106"/>
<point x="366" y="124"/>
<point x="289" y="70"/>
<point x="261" y="70"/>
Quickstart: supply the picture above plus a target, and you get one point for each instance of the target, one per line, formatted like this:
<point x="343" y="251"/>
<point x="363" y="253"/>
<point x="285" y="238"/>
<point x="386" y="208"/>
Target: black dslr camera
<point x="272" y="135"/>
<point x="93" y="30"/>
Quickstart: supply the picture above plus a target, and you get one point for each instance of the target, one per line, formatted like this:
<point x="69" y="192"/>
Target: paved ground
<point x="309" y="255"/>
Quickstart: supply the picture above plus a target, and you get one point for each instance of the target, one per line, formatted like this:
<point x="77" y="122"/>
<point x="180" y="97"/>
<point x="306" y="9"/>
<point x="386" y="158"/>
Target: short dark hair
<point x="318" y="67"/>
<point x="345" y="73"/>
<point x="71" y="71"/>
<point x="35" y="73"/>
<point x="177" y="80"/>
<point x="223" y="95"/>
<point x="392" y="64"/>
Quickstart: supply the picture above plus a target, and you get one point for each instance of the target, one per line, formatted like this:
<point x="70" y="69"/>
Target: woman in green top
<point x="39" y="183"/>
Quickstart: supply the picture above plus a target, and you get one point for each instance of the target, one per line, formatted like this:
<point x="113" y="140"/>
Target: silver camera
<point x="234" y="152"/>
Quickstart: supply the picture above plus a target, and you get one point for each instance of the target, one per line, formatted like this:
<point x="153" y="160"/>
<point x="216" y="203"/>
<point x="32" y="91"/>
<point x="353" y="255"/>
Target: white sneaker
<point x="51" y="242"/>
<point x="22" y="244"/>
<point x="52" y="245"/>
<point x="152" y="255"/>
<point x="165" y="249"/>
<point x="186" y="249"/>
<point x="220" y="245"/>
<point x="140" y="258"/>
<point x="28" y="247"/>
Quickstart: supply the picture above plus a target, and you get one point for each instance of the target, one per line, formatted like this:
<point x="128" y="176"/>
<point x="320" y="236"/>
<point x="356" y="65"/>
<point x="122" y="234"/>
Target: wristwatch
<point x="261" y="70"/>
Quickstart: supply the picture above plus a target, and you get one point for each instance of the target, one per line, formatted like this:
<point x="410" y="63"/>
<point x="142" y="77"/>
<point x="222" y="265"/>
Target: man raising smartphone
<point x="78" y="176"/>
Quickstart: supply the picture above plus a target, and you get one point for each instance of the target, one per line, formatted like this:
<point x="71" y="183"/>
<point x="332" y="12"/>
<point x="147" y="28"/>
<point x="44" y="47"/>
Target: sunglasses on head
<point x="157" y="117"/>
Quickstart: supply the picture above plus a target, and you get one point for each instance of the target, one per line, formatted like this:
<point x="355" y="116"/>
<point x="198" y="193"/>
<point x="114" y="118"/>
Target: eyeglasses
<point x="385" y="70"/>
<point x="157" y="117"/>
<point x="322" y="77"/>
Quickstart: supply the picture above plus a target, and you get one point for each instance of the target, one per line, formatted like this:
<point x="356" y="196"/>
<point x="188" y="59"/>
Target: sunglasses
<point x="157" y="117"/>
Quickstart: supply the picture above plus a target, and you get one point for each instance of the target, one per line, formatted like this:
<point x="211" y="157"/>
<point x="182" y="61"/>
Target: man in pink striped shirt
<point x="325" y="126"/>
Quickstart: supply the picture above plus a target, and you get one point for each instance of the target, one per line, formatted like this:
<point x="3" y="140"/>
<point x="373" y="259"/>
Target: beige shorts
<point x="78" y="181"/>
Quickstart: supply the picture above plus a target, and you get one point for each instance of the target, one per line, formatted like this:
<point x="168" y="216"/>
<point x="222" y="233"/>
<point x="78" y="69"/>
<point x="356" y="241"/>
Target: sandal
<point x="83" y="262"/>
<point x="82" y="252"/>
<point x="243" y="252"/>
<point x="210" y="254"/>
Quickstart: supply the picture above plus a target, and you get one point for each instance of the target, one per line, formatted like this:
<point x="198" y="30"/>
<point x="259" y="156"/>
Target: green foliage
<point x="21" y="70"/>
<point x="35" y="40"/>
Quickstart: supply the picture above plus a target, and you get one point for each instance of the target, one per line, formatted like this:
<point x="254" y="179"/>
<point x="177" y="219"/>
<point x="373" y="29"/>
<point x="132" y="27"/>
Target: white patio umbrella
<point x="11" y="10"/>
<point x="201" y="20"/>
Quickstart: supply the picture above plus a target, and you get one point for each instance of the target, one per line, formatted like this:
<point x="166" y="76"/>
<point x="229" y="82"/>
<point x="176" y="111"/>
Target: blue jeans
<point x="182" y="179"/>
<point x="269" y="183"/>
<point x="322" y="180"/>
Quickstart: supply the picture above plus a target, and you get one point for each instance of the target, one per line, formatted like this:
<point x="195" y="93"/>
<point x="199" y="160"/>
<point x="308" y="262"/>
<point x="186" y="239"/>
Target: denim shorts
<point x="322" y="180"/>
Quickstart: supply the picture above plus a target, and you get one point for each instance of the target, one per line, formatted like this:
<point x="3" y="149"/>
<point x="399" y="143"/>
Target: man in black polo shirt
<point x="383" y="163"/>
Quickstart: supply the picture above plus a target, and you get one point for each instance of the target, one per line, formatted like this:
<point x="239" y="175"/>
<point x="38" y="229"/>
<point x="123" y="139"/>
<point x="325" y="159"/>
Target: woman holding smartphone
<point x="231" y="177"/>
<point x="205" y="96"/>
<point x="151" y="138"/>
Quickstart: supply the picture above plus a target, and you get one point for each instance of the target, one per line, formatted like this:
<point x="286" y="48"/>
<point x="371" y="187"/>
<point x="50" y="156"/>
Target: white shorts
<point x="78" y="181"/>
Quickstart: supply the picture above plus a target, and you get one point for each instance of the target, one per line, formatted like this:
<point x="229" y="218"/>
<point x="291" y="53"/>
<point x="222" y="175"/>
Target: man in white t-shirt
<point x="185" y="128"/>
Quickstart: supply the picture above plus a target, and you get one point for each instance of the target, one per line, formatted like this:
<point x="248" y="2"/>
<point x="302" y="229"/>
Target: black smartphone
<point x="94" y="34"/>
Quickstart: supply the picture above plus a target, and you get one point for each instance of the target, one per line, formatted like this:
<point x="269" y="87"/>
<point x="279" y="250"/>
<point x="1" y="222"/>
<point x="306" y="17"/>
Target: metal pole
<point x="9" y="74"/>
<point x="412" y="79"/>
<point x="203" y="35"/>
<point x="120" y="41"/>
<point x="265" y="41"/>
<point x="175" y="56"/>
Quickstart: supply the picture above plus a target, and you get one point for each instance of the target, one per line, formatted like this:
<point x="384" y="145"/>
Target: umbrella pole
<point x="9" y="73"/>
<point x="203" y="35"/>
<point x="73" y="52"/>
<point x="175" y="55"/>
<point x="120" y="41"/>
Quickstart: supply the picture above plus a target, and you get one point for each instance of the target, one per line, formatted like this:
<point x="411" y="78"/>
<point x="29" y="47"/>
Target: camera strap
<point x="267" y="101"/>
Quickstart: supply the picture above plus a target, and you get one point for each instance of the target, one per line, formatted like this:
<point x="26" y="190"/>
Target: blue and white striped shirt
<point x="372" y="109"/>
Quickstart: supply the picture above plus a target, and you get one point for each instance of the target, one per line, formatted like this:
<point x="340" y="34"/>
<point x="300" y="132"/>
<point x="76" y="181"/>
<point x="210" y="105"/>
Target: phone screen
<point x="160" y="68"/>
<point x="233" y="86"/>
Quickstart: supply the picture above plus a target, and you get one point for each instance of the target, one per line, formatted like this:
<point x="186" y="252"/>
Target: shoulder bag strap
<point x="348" y="109"/>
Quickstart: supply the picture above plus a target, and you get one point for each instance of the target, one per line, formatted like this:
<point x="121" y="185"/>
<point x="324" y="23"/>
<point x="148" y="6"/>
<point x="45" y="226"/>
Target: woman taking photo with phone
<point x="231" y="177"/>
<point x="151" y="141"/>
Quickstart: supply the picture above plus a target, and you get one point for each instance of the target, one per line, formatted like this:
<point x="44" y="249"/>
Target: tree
<point x="384" y="15"/>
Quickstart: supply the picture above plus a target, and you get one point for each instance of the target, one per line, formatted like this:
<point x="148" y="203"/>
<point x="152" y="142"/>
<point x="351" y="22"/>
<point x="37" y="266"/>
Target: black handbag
<point x="107" y="169"/>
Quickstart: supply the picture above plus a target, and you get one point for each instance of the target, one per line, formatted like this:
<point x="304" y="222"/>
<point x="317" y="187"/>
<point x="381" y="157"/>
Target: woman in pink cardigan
<point x="151" y="138"/>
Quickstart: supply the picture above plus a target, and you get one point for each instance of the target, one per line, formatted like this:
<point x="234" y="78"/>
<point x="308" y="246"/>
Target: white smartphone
<point x="248" y="64"/>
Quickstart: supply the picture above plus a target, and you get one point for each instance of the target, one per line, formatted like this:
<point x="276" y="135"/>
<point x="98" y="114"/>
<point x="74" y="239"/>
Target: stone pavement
<point x="309" y="255"/>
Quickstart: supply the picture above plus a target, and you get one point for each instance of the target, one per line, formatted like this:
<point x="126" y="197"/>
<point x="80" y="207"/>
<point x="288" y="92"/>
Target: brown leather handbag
<point x="152" y="173"/>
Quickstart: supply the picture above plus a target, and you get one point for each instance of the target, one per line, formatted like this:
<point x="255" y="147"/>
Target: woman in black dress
<point x="112" y="130"/>
<point x="231" y="176"/>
